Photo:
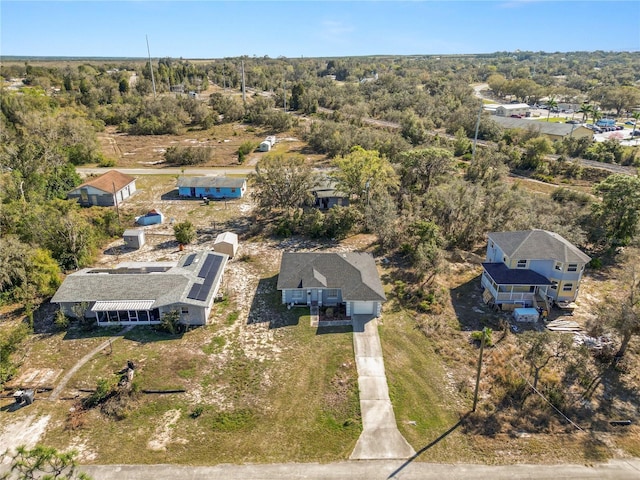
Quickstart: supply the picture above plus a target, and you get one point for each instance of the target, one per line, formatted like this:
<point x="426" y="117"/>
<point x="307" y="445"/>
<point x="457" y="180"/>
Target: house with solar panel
<point x="329" y="279"/>
<point x="212" y="187"/>
<point x="531" y="268"/>
<point x="139" y="293"/>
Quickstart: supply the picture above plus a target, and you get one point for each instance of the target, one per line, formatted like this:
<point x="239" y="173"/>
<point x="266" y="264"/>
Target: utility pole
<point x="153" y="82"/>
<point x="475" y="394"/>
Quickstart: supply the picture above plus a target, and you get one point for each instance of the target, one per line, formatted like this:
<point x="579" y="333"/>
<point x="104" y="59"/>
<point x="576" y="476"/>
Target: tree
<point x="283" y="182"/>
<point x="551" y="104"/>
<point x="636" y="117"/>
<point x="625" y="314"/>
<point x="185" y="232"/>
<point x="542" y="347"/>
<point x="420" y="168"/>
<point x="618" y="214"/>
<point x="534" y="151"/>
<point x="44" y="463"/>
<point x="585" y="110"/>
<point x="362" y="172"/>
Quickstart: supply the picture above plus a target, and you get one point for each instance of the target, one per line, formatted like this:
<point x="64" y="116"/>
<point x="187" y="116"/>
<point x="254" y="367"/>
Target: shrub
<point x="246" y="148"/>
<point x="61" y="321"/>
<point x="107" y="162"/>
<point x="477" y="337"/>
<point x="170" y="322"/>
<point x="185" y="232"/>
<point x="188" y="155"/>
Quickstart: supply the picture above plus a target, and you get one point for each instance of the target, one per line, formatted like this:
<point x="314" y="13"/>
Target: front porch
<point x="513" y="286"/>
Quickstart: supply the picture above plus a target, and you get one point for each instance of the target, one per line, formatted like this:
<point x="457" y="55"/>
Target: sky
<point x="218" y="29"/>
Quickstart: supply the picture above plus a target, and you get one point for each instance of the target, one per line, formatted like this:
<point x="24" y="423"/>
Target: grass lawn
<point x="298" y="404"/>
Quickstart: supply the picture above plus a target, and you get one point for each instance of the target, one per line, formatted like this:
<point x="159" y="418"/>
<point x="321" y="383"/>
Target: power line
<point x="540" y="394"/>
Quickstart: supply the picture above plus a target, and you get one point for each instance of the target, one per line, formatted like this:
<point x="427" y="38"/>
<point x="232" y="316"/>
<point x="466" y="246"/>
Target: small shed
<point x="227" y="243"/>
<point x="151" y="218"/>
<point x="264" y="146"/>
<point x="530" y="315"/>
<point x="134" y="238"/>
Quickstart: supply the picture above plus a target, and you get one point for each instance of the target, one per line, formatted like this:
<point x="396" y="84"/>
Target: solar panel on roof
<point x="194" y="292"/>
<point x="204" y="270"/>
<point x="189" y="260"/>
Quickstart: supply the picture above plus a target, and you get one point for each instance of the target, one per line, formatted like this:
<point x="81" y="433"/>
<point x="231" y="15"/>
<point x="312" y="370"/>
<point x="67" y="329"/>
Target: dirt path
<point x="63" y="382"/>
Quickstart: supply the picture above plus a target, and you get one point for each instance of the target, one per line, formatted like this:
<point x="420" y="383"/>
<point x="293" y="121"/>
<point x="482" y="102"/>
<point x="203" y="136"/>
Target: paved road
<point x="170" y="171"/>
<point x="380" y="437"/>
<point x="368" y="470"/>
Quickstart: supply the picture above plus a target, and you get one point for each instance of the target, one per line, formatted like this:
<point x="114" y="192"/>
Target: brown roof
<point x="109" y="180"/>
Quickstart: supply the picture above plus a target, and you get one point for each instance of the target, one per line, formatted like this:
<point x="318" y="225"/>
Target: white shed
<point x="134" y="238"/>
<point x="265" y="146"/>
<point x="526" y="315"/>
<point x="227" y="243"/>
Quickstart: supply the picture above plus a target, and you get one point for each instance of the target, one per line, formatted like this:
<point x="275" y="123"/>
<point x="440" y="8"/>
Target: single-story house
<point x="226" y="243"/>
<point x="551" y="130"/>
<point x="531" y="268"/>
<point x="106" y="190"/>
<point x="512" y="109"/>
<point x="134" y="238"/>
<point x="329" y="279"/>
<point x="326" y="195"/>
<point x="212" y="187"/>
<point x="139" y="293"/>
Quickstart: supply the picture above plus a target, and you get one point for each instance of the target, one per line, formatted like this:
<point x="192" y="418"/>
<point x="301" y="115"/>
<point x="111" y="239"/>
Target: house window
<point x="185" y="309"/>
<point x="567" y="287"/>
<point x="490" y="244"/>
<point x="573" y="267"/>
<point x="558" y="266"/>
<point x="332" y="293"/>
<point x="554" y="286"/>
<point x="297" y="294"/>
<point x="217" y="190"/>
<point x="233" y="190"/>
<point x="521" y="264"/>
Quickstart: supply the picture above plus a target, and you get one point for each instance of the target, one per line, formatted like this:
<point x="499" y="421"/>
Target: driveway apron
<point x="380" y="437"/>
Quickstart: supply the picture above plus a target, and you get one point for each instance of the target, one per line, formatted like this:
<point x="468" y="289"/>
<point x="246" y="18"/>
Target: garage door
<point x="363" y="308"/>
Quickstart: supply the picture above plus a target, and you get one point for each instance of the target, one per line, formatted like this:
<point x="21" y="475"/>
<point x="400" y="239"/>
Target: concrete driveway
<point x="380" y="438"/>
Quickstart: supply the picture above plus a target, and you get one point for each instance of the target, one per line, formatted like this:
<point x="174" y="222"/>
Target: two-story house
<point x="530" y="267"/>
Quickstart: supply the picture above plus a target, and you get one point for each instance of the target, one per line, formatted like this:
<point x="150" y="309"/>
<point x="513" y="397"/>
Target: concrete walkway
<point x="55" y="394"/>
<point x="380" y="438"/>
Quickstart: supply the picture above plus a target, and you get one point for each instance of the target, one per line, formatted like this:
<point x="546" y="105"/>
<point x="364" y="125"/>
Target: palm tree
<point x="585" y="110"/>
<point x="636" y="117"/>
<point x="551" y="104"/>
<point x="597" y="115"/>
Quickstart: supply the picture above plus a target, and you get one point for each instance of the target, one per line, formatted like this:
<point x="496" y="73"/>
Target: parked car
<point x="629" y="122"/>
<point x="619" y="127"/>
<point x="635" y="133"/>
<point x="573" y="122"/>
<point x="515" y="115"/>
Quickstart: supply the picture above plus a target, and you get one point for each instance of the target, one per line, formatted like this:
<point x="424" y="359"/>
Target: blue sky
<point x="215" y="29"/>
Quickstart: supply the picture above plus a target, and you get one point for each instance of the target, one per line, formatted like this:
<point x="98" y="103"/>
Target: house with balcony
<point x="531" y="268"/>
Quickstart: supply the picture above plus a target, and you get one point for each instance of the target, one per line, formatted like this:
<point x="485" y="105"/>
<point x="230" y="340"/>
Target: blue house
<point x="212" y="187"/>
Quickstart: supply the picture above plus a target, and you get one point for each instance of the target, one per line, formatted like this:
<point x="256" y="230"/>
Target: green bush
<point x="477" y="337"/>
<point x="185" y="232"/>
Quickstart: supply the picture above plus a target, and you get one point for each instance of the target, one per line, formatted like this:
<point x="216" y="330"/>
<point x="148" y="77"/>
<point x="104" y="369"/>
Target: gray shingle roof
<point x="538" y="245"/>
<point x="355" y="273"/>
<point x="165" y="288"/>
<point x="211" y="182"/>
